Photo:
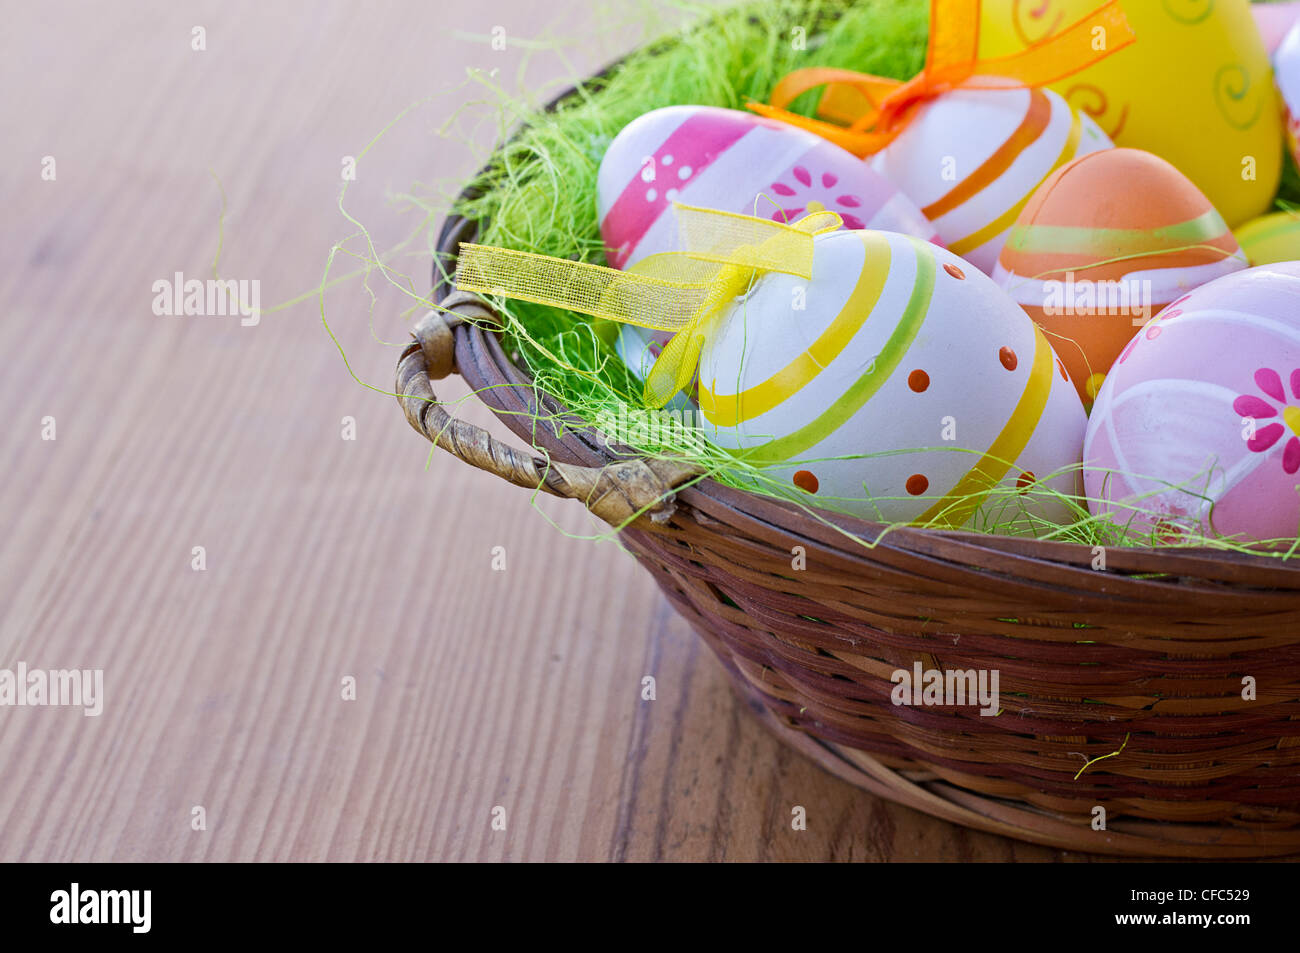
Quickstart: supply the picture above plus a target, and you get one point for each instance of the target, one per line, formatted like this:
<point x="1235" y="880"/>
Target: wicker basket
<point x="1170" y="635"/>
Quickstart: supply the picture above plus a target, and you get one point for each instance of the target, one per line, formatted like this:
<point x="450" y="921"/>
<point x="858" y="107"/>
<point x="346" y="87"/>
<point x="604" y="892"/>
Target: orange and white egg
<point x="972" y="158"/>
<point x="899" y="384"/>
<point x="1106" y="244"/>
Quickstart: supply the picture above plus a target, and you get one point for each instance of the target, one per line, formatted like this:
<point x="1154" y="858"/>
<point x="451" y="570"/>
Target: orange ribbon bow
<point x="874" y="109"/>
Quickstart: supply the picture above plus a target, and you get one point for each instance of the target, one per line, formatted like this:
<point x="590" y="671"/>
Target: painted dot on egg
<point x="671" y="195"/>
<point x="806" y="481"/>
<point x="829" y="180"/>
<point x="684" y="172"/>
<point x="917" y="484"/>
<point x="1008" y="358"/>
<point x="803" y="176"/>
<point x="667" y="160"/>
<point x="1093" y="385"/>
<point x="651" y="195"/>
<point x="918" y="380"/>
<point x="1153" y="332"/>
<point x="955" y="271"/>
<point x="1026" y="480"/>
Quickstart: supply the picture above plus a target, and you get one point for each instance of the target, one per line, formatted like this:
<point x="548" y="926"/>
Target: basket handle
<point x="616" y="492"/>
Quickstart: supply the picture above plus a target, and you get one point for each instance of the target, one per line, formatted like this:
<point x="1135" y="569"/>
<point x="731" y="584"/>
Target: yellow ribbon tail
<point x="645" y="300"/>
<point x="682" y="292"/>
<point x="674" y="368"/>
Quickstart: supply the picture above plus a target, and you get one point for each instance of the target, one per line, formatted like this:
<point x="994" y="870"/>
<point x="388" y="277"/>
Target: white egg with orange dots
<point x="1106" y="244"/>
<point x="1197" y="428"/>
<point x="972" y="158"/>
<point x="898" y="384"/>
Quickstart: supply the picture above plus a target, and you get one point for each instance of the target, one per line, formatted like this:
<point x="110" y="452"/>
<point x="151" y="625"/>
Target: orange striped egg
<point x="1104" y="245"/>
<point x="972" y="158"/>
<point x="899" y="384"/>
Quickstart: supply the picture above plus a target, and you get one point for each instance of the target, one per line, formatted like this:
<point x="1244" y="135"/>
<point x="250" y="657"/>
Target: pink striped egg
<point x="1197" y="427"/>
<point x="735" y="162"/>
<point x="972" y="158"/>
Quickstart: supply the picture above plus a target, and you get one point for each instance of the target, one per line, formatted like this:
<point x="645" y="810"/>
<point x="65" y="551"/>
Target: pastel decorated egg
<point x="1195" y="89"/>
<point x="1197" y="428"/>
<point x="971" y="159"/>
<point x="1271" y="238"/>
<point x="899" y="384"/>
<point x="1274" y="20"/>
<point x="1286" y="62"/>
<point x="1105" y="244"/>
<point x="734" y="162"/>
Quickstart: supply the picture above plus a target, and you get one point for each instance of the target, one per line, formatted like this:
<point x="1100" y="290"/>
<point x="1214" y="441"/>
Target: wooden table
<point x="325" y="558"/>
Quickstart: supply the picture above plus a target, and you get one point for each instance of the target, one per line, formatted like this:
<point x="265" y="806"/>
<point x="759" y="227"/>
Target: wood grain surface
<point x="476" y="687"/>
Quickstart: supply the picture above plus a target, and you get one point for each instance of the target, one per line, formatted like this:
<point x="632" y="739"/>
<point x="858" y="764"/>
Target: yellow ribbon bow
<point x="684" y="292"/>
<point x="873" y="110"/>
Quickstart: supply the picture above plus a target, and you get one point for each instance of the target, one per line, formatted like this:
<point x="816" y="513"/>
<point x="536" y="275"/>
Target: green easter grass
<point x="538" y="195"/>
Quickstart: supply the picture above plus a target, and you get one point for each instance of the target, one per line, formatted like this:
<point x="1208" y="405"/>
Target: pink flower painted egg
<point x="1197" y="428"/>
<point x="735" y="162"/>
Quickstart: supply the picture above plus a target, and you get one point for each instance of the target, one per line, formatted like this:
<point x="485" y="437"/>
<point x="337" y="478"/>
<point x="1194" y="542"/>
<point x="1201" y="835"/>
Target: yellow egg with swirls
<point x="1196" y="89"/>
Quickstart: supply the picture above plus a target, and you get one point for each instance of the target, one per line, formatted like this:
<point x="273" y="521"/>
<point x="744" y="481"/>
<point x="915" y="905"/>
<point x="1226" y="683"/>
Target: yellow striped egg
<point x="1271" y="238"/>
<point x="972" y="158"/>
<point x="899" y="384"/>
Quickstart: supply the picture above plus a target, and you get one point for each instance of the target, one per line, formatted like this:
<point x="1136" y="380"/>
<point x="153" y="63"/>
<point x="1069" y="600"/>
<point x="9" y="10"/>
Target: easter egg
<point x="1197" y="428"/>
<point x="1105" y="244"/>
<point x="1287" y="63"/>
<point x="734" y="162"/>
<point x="1195" y="89"/>
<point x="1271" y="238"/>
<point x="898" y="384"/>
<point x="971" y="159"/>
